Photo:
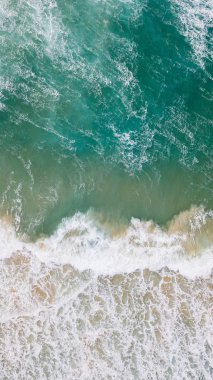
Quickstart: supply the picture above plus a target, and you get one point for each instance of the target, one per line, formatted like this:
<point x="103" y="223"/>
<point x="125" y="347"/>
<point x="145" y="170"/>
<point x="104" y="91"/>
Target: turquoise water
<point x="104" y="105"/>
<point x="106" y="189"/>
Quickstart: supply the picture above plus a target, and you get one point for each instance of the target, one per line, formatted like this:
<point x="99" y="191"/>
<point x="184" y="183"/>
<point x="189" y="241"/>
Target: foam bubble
<point x="88" y="241"/>
<point x="93" y="301"/>
<point x="59" y="323"/>
<point x="195" y="19"/>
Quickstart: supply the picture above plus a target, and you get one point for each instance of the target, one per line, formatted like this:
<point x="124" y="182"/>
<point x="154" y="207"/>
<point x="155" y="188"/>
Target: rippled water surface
<point x="106" y="190"/>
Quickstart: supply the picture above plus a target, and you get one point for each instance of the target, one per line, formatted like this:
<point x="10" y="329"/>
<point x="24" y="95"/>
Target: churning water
<point x="106" y="190"/>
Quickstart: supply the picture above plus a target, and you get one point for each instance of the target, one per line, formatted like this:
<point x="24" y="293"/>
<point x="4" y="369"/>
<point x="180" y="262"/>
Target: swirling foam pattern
<point x="106" y="192"/>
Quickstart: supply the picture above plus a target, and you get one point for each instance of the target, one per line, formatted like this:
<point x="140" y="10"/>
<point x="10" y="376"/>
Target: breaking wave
<point x="99" y="299"/>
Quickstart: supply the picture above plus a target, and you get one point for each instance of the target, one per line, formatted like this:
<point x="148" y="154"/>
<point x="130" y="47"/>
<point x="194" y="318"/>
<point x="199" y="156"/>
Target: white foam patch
<point x="60" y="323"/>
<point x="185" y="246"/>
<point x="195" y="17"/>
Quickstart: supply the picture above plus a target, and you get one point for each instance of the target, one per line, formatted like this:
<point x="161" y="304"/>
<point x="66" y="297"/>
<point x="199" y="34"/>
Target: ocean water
<point x="106" y="189"/>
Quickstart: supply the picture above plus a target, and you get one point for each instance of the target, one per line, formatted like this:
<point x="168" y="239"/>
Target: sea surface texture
<point x="106" y="189"/>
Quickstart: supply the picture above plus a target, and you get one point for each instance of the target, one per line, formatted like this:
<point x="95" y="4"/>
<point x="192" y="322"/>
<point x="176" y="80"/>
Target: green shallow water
<point x="104" y="105"/>
<point x="106" y="206"/>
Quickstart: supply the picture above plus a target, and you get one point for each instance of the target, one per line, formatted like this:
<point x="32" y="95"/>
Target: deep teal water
<point x="104" y="105"/>
<point x="106" y="123"/>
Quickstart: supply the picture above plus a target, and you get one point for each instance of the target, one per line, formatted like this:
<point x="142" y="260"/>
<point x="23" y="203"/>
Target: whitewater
<point x="106" y="190"/>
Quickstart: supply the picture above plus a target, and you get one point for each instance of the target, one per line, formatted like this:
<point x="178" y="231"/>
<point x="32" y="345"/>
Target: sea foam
<point x="96" y="301"/>
<point x="91" y="241"/>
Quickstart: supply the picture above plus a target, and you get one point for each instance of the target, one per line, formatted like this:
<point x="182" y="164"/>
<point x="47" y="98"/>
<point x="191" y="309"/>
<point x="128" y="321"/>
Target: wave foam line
<point x="90" y="241"/>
